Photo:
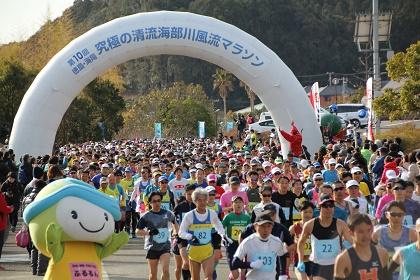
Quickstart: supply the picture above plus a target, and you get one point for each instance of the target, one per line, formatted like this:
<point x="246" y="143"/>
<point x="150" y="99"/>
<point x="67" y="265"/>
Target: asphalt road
<point x="128" y="263"/>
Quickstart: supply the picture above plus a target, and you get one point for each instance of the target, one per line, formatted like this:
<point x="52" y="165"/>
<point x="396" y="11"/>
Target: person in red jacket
<point x="295" y="139"/>
<point x="390" y="164"/>
<point x="4" y="219"/>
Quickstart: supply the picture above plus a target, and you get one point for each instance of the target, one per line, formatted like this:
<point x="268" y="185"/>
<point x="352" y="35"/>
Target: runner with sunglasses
<point x="326" y="234"/>
<point x="408" y="258"/>
<point x="394" y="235"/>
<point x="154" y="225"/>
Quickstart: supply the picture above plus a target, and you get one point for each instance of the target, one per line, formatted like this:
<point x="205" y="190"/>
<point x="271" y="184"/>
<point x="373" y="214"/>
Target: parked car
<point x="351" y="113"/>
<point x="266" y="123"/>
<point x="262" y="126"/>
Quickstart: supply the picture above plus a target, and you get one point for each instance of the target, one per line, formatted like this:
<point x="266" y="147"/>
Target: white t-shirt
<point x="267" y="251"/>
<point x="177" y="187"/>
<point x="415" y="197"/>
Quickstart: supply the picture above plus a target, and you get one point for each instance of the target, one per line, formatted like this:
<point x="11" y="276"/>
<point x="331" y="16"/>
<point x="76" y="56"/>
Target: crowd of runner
<point x="345" y="212"/>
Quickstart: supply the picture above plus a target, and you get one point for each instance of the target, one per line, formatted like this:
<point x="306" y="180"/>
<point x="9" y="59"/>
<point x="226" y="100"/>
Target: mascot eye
<point x="106" y="216"/>
<point x="73" y="214"/>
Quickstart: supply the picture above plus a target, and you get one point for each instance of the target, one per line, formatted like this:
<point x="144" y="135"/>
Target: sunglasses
<point x="357" y="173"/>
<point x="398" y="189"/>
<point x="396" y="214"/>
<point x="212" y="194"/>
<point x="339" y="189"/>
<point x="328" y="205"/>
<point x="266" y="195"/>
<point x="319" y="179"/>
<point x="156" y="201"/>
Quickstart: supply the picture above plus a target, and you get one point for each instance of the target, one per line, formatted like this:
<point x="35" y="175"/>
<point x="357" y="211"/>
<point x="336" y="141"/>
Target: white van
<point x="350" y="113"/>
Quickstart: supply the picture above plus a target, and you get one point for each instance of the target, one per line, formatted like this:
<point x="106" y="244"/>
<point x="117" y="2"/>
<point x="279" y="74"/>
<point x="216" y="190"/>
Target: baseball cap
<point x="390" y="174"/>
<point x="155" y="160"/>
<point x="317" y="164"/>
<point x="325" y="198"/>
<point x="157" y="172"/>
<point x="210" y="189"/>
<point x="162" y="178"/>
<point x="103" y="180"/>
<point x="317" y="176"/>
<point x="356" y="169"/>
<point x="267" y="179"/>
<point x="339" y="165"/>
<point x="332" y="161"/>
<point x="235" y="197"/>
<point x="263" y="219"/>
<point x="269" y="208"/>
<point x="105" y="165"/>
<point x="212" y="177"/>
<point x="278" y="161"/>
<point x="275" y="170"/>
<point x="234" y="180"/>
<point x="255" y="161"/>
<point x="128" y="169"/>
<point x="304" y="163"/>
<point x="266" y="164"/>
<point x="351" y="183"/>
<point x="193" y="170"/>
<point x="199" y="166"/>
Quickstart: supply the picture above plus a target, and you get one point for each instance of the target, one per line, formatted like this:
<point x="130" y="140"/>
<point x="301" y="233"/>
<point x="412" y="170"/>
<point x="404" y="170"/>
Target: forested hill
<point x="310" y="36"/>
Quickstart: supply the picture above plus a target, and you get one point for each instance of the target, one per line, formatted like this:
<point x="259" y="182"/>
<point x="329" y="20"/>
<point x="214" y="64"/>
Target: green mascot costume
<point x="73" y="224"/>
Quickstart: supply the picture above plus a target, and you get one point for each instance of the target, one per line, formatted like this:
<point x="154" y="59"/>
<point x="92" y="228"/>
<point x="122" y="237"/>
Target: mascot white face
<point x="84" y="221"/>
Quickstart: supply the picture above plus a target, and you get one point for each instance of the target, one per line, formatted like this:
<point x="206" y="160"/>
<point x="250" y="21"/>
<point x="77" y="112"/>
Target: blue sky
<point x="19" y="19"/>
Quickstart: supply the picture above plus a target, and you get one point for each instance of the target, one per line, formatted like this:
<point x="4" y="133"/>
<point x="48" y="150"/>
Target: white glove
<point x="256" y="264"/>
<point x="228" y="240"/>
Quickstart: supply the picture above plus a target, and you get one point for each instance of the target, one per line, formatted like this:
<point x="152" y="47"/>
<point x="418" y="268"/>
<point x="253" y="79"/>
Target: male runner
<point x="363" y="260"/>
<point x="326" y="233"/>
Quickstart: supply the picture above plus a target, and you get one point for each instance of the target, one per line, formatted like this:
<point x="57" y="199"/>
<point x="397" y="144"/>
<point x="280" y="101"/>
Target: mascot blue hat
<point x="59" y="189"/>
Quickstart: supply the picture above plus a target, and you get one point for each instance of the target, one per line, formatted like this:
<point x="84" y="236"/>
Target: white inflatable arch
<point x="156" y="33"/>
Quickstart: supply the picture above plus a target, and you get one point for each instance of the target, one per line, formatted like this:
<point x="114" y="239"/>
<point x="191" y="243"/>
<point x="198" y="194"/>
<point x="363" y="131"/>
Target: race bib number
<point x="308" y="248"/>
<point x="327" y="249"/>
<point x="236" y="232"/>
<point x="268" y="259"/>
<point x="408" y="221"/>
<point x="251" y="206"/>
<point x="286" y="211"/>
<point x="165" y="205"/>
<point x="204" y="236"/>
<point x="84" y="271"/>
<point x="162" y="236"/>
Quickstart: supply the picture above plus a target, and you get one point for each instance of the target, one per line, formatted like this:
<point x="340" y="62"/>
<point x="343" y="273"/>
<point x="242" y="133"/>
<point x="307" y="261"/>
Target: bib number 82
<point x="202" y="235"/>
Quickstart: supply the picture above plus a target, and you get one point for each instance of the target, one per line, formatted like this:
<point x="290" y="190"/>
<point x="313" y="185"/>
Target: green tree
<point x="251" y="95"/>
<point x="14" y="82"/>
<point x="403" y="67"/>
<point x="99" y="102"/>
<point x="223" y="83"/>
<point x="178" y="107"/>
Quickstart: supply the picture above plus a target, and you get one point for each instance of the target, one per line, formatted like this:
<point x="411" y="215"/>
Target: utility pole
<point x="329" y="77"/>
<point x="376" y="63"/>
